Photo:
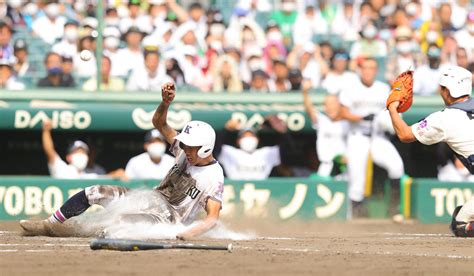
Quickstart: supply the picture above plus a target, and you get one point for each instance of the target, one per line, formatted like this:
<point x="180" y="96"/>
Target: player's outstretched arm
<point x="48" y="144"/>
<point x="213" y="208"/>
<point x="308" y="105"/>
<point x="168" y="93"/>
<point x="403" y="131"/>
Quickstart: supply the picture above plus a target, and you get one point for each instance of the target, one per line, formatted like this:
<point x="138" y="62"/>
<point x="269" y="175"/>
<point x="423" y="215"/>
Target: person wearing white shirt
<point x="331" y="130"/>
<point x="51" y="26"/>
<point x="364" y="107"/>
<point x="465" y="36"/>
<point x="68" y="45"/>
<point x="247" y="161"/>
<point x="7" y="78"/>
<point x="77" y="157"/>
<point x="151" y="76"/>
<point x="338" y="78"/>
<point x="131" y="57"/>
<point x="152" y="164"/>
<point x="426" y="76"/>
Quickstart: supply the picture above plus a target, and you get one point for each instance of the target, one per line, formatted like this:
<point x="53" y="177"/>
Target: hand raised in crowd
<point x="275" y="123"/>
<point x="232" y="124"/>
<point x="168" y="92"/>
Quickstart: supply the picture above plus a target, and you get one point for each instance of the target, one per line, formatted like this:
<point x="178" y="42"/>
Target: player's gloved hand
<point x="369" y="117"/>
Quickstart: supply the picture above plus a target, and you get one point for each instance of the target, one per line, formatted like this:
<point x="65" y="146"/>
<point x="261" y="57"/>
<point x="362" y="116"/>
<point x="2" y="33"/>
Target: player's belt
<point x="361" y="132"/>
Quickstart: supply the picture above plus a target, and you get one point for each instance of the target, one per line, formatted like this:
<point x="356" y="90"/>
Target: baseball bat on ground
<point x="135" y="245"/>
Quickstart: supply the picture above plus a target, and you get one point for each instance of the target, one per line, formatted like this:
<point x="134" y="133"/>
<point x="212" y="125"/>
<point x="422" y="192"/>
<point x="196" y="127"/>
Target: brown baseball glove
<point x="402" y="91"/>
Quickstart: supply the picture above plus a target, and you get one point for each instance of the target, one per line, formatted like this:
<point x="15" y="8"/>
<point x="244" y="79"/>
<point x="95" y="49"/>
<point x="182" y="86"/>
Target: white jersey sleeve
<point x="430" y="130"/>
<point x="60" y="169"/>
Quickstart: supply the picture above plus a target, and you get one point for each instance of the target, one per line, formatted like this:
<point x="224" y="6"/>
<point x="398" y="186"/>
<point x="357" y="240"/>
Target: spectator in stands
<point x="286" y="18"/>
<point x="154" y="163"/>
<point x="465" y="36"/>
<point x="430" y="33"/>
<point x="444" y="14"/>
<point x="6" y="32"/>
<point x="50" y="27"/>
<point x="174" y="71"/>
<point x="85" y="68"/>
<point x="295" y="77"/>
<point x="151" y="76"/>
<point x="22" y="66"/>
<point x="130" y="57"/>
<point x="68" y="44"/>
<point x="259" y="81"/>
<point x="369" y="45"/>
<point x="77" y="158"/>
<point x="426" y="76"/>
<point x="339" y="77"/>
<point x="131" y="19"/>
<point x="225" y="75"/>
<point x="108" y="83"/>
<point x="7" y="77"/>
<point x="67" y="63"/>
<point x="461" y="57"/>
<point x="279" y="81"/>
<point x="15" y="13"/>
<point x="111" y="43"/>
<point x="406" y="55"/>
<point x="196" y="15"/>
<point x="54" y="78"/>
<point x="413" y="10"/>
<point x="111" y="17"/>
<point x="309" y="61"/>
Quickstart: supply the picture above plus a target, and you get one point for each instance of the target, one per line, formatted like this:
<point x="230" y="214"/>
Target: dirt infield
<point x="360" y="247"/>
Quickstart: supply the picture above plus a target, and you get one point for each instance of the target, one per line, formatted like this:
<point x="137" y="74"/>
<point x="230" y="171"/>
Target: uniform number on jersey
<point x="193" y="192"/>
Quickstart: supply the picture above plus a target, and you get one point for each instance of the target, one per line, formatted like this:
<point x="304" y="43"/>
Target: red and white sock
<point x="57" y="217"/>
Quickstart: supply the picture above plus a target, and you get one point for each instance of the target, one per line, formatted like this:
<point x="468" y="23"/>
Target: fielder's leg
<point x="74" y="206"/>
<point x="357" y="154"/>
<point x="386" y="155"/>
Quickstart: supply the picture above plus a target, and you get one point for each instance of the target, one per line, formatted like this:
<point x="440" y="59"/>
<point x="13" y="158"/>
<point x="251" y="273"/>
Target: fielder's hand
<point x="183" y="236"/>
<point x="168" y="91"/>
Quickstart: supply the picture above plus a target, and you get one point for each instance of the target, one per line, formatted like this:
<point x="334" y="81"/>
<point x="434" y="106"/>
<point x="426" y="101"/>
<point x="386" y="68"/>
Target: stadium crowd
<point x="231" y="46"/>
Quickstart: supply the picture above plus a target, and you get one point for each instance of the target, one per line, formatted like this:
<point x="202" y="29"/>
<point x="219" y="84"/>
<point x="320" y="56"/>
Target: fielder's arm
<point x="403" y="131"/>
<point x="48" y="144"/>
<point x="213" y="208"/>
<point x="346" y="114"/>
<point x="168" y="93"/>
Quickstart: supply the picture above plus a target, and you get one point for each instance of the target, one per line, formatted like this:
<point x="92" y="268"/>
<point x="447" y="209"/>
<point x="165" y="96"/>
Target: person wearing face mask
<point x="247" y="161"/>
<point x="405" y="56"/>
<point x="424" y="78"/>
<point x="465" y="36"/>
<point x="76" y="157"/>
<point x="51" y="26"/>
<point x="286" y="18"/>
<point x="331" y="130"/>
<point x="55" y="77"/>
<point x="151" y="76"/>
<point x="154" y="163"/>
<point x="68" y="45"/>
<point x="369" y="45"/>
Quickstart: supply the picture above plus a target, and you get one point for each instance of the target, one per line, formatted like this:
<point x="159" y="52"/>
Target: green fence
<point x="133" y="111"/>
<point x="284" y="199"/>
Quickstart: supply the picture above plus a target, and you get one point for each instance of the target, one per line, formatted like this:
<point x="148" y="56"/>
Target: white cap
<point x="458" y="80"/>
<point x="198" y="133"/>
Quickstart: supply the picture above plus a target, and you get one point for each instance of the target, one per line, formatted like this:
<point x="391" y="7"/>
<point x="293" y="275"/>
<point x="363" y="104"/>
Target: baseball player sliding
<point x="195" y="183"/>
<point x="453" y="125"/>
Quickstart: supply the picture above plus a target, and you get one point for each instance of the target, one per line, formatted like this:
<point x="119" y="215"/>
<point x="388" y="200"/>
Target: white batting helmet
<point x="198" y="133"/>
<point x="458" y="80"/>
